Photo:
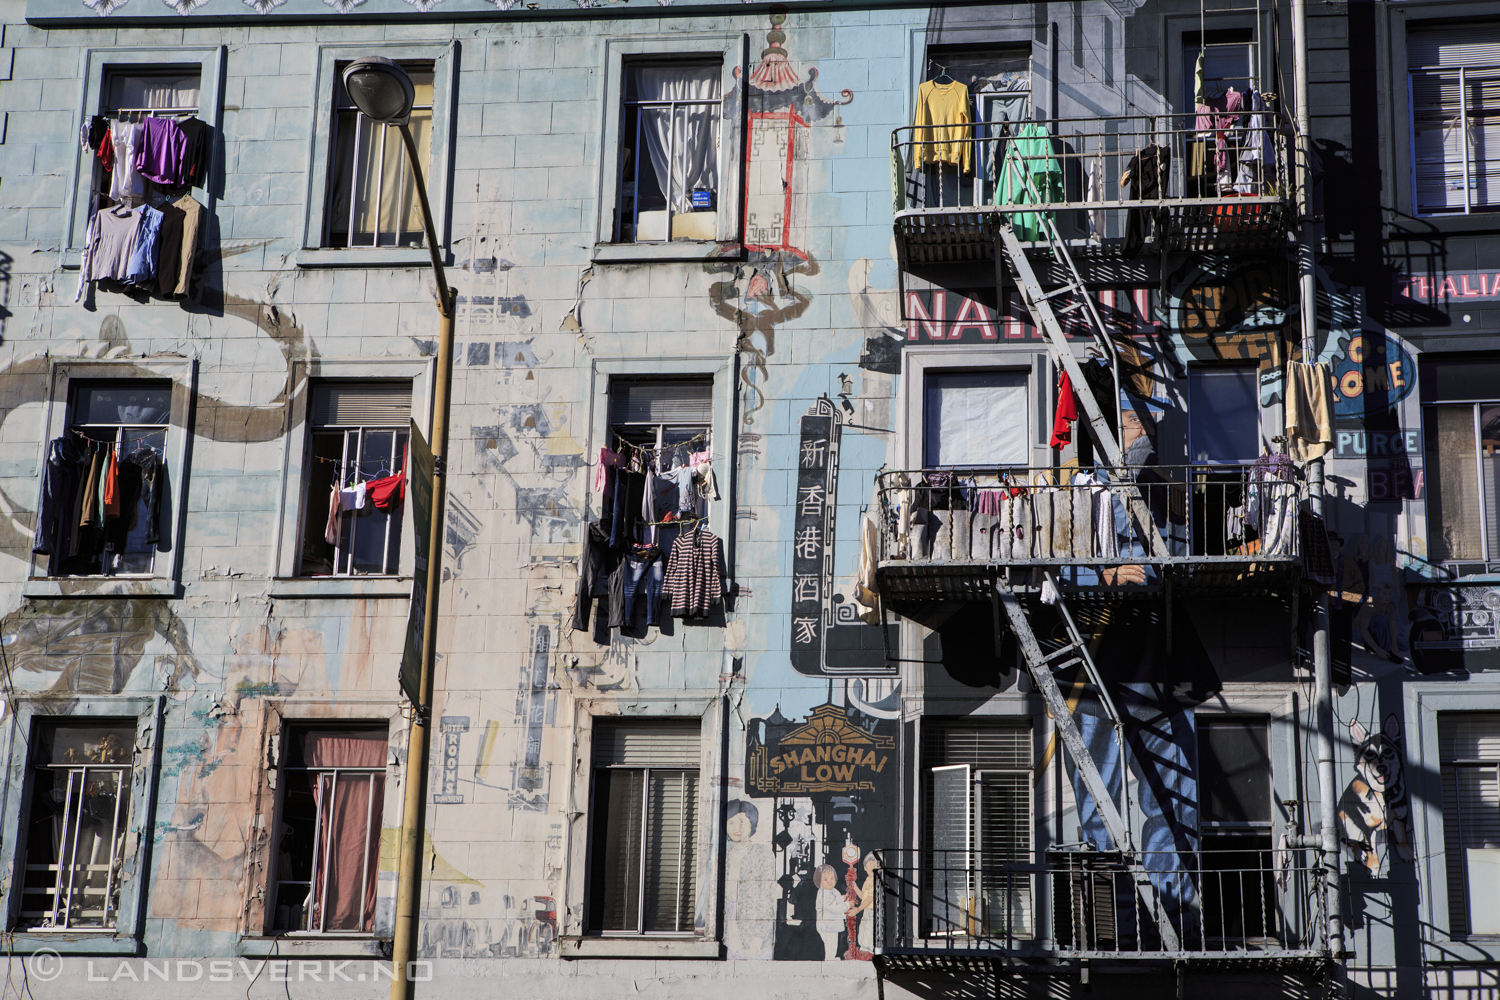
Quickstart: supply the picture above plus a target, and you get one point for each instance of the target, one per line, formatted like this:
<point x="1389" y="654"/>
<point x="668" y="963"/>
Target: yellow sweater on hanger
<point x="943" y="124"/>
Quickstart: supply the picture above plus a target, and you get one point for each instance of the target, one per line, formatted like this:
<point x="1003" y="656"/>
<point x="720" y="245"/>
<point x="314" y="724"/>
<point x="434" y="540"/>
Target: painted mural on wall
<point x="831" y="783"/>
<point x="1375" y="811"/>
<point x="827" y="635"/>
<point x="1455" y="627"/>
<point x="759" y="293"/>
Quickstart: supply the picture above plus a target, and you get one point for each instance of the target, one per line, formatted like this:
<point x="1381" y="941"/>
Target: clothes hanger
<point x="942" y="72"/>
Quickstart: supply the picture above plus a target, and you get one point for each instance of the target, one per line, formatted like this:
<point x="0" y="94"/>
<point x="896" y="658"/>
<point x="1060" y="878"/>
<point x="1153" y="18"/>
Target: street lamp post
<point x="381" y="90"/>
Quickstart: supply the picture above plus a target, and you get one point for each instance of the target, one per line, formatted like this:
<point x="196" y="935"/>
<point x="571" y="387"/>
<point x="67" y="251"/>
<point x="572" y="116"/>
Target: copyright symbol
<point x="44" y="965"/>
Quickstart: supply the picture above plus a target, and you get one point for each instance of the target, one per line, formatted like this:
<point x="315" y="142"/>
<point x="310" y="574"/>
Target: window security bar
<point x="84" y="887"/>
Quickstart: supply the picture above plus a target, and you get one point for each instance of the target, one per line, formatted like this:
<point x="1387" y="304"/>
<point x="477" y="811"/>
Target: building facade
<point x="769" y="542"/>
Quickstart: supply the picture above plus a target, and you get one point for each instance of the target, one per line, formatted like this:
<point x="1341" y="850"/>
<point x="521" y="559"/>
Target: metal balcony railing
<point x="1036" y="516"/>
<point x="1240" y="520"/>
<point x="1246" y="904"/>
<point x="1203" y="187"/>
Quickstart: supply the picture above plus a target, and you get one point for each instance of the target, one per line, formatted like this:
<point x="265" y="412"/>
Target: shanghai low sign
<point x="826" y="754"/>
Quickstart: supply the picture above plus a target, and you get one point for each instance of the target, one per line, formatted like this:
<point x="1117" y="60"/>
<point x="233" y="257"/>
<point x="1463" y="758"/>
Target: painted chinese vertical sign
<point x="812" y="539"/>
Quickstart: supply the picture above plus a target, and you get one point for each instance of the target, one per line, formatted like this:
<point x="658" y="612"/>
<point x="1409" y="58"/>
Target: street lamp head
<point x="381" y="90"/>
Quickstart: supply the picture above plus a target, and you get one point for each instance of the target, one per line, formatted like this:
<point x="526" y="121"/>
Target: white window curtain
<point x="976" y="419"/>
<point x="154" y="90"/>
<point x="685" y="135"/>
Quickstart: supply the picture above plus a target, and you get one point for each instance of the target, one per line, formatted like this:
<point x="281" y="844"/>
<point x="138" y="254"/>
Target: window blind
<point x="361" y="404"/>
<point x="662" y="401"/>
<point x="671" y="858"/>
<point x="1469" y="749"/>
<point x="1455" y="106"/>
<point x="1473" y="44"/>
<point x="975" y="419"/>
<point x="658" y="743"/>
<point x="999" y="747"/>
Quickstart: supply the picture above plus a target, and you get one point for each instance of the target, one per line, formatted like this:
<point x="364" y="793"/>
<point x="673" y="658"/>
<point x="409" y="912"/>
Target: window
<point x="672" y="419"/>
<point x="101" y="511"/>
<point x="1228" y="61"/>
<point x="1224" y="415"/>
<point x="975" y="419"/>
<point x="328" y="854"/>
<point x="1454" y="79"/>
<point x="372" y="194"/>
<point x="999" y="85"/>
<point x="357" y="438"/>
<point x="643" y="860"/>
<point x="1461" y="427"/>
<point x="1469" y="751"/>
<point x="146" y="92"/>
<point x="77" y="824"/>
<point x="979" y="820"/>
<point x="669" y="152"/>
<point x="1234" y="815"/>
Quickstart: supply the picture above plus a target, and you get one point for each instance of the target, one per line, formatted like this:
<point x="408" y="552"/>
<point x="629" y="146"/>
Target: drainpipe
<point x="1322" y="668"/>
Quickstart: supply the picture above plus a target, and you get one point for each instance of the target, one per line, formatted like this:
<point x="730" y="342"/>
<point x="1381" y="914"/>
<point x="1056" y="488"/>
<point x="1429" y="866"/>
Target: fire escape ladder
<point x="1042" y="667"/>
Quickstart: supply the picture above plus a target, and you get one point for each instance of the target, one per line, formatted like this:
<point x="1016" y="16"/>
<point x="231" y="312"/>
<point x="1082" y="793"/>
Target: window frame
<point x="1432" y="463"/>
<point x="257" y="939"/>
<point x="725" y="374"/>
<point x="672" y="107"/>
<point x="1396" y="161"/>
<point x="96" y="64"/>
<point x="388" y="138"/>
<point x="1424" y="700"/>
<point x="1469" y="210"/>
<point x="166" y="574"/>
<point x="918" y="362"/>
<point x="733" y="49"/>
<point x="930" y="374"/>
<point x="644" y="848"/>
<point x="439" y="174"/>
<point x="932" y="731"/>
<point x="1179" y="26"/>
<point x="286" y="728"/>
<point x="145" y="714"/>
<point x="705" y="940"/>
<point x="1197" y="371"/>
<point x="286" y="552"/>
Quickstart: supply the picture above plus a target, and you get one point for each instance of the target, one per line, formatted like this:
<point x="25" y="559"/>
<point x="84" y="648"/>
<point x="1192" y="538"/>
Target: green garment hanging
<point x="1030" y="175"/>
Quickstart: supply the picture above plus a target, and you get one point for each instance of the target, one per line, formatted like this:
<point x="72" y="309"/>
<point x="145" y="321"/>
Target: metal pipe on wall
<point x="1322" y="667"/>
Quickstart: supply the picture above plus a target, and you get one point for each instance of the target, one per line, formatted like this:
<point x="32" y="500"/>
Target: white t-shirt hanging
<point x="126" y="182"/>
<point x="352" y="499"/>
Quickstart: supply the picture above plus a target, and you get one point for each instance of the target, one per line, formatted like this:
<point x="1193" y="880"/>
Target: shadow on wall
<point x="1065" y="983"/>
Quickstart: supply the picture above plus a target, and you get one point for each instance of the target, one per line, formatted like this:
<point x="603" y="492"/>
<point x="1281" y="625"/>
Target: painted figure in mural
<point x="862" y="944"/>
<point x="1374" y="811"/>
<point x="850" y="858"/>
<point x="749" y="887"/>
<point x="832" y="906"/>
<point x="1378" y="621"/>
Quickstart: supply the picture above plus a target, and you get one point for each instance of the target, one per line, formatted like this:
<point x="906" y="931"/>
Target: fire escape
<point x="1065" y="549"/>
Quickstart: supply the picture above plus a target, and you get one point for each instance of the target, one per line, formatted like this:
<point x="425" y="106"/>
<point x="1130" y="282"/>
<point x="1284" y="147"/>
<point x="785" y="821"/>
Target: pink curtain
<point x="335" y="749"/>
<point x="349" y="808"/>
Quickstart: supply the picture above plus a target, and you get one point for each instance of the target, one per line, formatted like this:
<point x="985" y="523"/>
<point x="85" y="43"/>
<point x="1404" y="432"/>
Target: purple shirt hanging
<point x="162" y="150"/>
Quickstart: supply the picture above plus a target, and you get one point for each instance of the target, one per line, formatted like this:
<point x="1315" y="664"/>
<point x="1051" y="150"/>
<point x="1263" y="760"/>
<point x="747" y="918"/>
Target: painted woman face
<point x="738" y="828"/>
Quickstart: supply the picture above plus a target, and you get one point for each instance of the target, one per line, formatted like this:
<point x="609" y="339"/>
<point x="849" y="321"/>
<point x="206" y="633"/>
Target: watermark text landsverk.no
<point x="46" y="966"/>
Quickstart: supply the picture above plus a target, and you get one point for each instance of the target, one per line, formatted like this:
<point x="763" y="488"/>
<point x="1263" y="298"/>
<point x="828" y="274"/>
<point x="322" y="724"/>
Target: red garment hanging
<point x="386" y="493"/>
<point x="1067" y="412"/>
<point x="106" y="152"/>
<point x="112" y="485"/>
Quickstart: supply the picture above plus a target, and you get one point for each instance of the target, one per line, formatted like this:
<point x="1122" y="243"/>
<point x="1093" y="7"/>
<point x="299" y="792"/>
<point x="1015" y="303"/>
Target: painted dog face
<point x="1377" y="758"/>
